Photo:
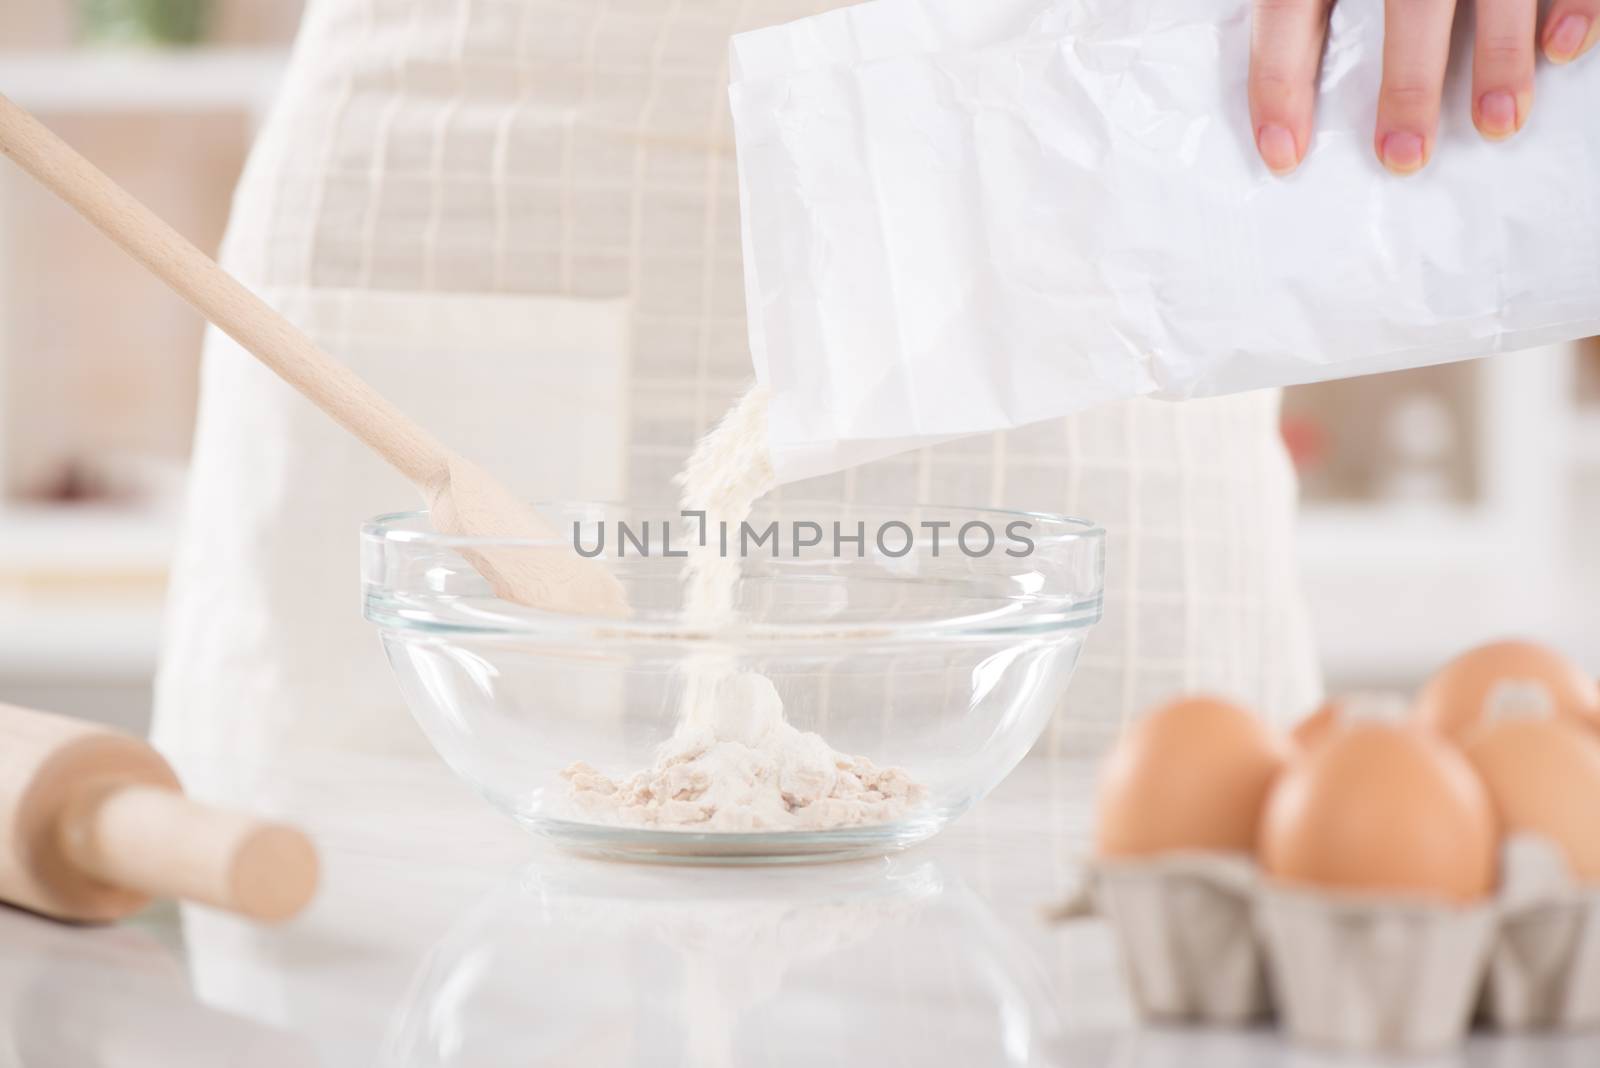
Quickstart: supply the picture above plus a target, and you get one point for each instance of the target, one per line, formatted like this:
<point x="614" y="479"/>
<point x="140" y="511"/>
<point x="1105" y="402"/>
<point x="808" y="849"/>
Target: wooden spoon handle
<point x="158" y="842"/>
<point x="219" y="297"/>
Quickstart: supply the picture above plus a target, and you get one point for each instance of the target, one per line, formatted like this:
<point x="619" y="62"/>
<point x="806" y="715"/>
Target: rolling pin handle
<point x="156" y="841"/>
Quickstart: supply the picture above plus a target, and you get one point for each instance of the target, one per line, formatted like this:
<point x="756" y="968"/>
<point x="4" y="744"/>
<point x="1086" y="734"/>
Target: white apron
<point x="519" y="219"/>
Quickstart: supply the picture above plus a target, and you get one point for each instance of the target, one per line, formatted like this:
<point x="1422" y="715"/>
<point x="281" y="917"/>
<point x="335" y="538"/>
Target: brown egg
<point x="1336" y="711"/>
<point x="1384" y="808"/>
<point x="1192" y="775"/>
<point x="1460" y="694"/>
<point x="1543" y="776"/>
<point x="1315" y="728"/>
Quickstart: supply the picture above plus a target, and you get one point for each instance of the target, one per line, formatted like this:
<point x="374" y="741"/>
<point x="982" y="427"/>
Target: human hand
<point x="1286" y="49"/>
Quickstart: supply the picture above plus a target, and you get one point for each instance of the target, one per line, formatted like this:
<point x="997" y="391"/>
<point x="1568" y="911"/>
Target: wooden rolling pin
<point x="93" y="824"/>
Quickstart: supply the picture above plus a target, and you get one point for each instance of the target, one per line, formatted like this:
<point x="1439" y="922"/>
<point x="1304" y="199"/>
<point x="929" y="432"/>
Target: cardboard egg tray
<point x="1205" y="939"/>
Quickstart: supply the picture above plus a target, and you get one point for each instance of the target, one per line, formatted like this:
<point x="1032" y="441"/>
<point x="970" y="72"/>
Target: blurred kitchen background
<point x="98" y="361"/>
<point x="1441" y="507"/>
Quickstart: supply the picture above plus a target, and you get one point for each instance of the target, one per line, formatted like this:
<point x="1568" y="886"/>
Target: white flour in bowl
<point x="734" y="763"/>
<point x="742" y="767"/>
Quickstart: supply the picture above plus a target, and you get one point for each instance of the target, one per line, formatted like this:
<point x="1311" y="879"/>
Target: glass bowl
<point x="923" y="646"/>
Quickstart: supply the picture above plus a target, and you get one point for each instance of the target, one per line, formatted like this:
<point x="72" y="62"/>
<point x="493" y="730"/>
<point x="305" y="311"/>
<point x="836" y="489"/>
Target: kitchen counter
<point x="443" y="935"/>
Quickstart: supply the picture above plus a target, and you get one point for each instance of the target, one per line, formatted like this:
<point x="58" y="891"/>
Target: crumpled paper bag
<point x="962" y="217"/>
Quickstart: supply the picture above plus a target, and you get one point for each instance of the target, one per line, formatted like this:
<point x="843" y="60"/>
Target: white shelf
<point x="81" y="590"/>
<point x="1396" y="588"/>
<point x="41" y="542"/>
<point x="1586" y="439"/>
<point x="1393" y="535"/>
<point x="82" y="638"/>
<point x="176" y="80"/>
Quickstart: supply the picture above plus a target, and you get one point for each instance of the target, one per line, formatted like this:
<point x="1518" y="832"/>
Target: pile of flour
<point x="741" y="767"/>
<point x="734" y="763"/>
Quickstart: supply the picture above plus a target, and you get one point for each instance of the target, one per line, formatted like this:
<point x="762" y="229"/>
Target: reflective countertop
<point x="443" y="935"/>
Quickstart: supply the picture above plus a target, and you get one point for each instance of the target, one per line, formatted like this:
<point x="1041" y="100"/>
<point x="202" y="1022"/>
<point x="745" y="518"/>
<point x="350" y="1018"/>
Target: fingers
<point x="1416" y="47"/>
<point x="1286" y="39"/>
<point x="1570" y="30"/>
<point x="1286" y="48"/>
<point x="1502" y="66"/>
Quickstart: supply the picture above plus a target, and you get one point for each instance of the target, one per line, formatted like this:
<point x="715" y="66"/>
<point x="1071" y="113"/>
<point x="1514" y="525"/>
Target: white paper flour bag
<point x="960" y="220"/>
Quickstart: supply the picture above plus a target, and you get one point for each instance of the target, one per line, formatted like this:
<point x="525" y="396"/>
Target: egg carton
<point x="1544" y="970"/>
<point x="1184" y="924"/>
<point x="1355" y="972"/>
<point x="1204" y="939"/>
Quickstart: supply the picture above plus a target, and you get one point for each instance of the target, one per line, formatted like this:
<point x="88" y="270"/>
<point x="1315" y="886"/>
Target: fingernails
<point x="1277" y="149"/>
<point x="1402" y="153"/>
<point x="1567" y="39"/>
<point x="1497" y="114"/>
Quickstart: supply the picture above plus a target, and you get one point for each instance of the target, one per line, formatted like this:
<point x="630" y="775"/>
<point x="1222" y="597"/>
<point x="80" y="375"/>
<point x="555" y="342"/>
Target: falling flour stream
<point x="734" y="763"/>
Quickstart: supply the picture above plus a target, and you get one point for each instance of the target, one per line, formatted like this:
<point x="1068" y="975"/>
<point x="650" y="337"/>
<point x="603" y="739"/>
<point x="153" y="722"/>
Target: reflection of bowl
<point x="943" y="663"/>
<point x="751" y="967"/>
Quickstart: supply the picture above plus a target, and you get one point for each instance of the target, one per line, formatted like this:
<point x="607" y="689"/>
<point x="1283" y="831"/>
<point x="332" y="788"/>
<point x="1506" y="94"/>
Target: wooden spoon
<point x="461" y="497"/>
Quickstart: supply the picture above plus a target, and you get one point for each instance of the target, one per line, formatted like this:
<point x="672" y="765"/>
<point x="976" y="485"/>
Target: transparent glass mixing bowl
<point x="946" y="664"/>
